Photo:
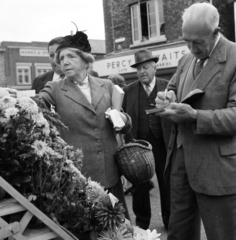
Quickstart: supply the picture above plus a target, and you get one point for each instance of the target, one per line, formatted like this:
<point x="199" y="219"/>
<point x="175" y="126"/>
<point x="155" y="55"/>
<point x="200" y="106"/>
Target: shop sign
<point x="33" y="52"/>
<point x="168" y="58"/>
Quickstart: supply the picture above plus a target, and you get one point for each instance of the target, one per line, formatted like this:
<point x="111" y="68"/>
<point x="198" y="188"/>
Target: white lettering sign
<point x="33" y="52"/>
<point x="167" y="58"/>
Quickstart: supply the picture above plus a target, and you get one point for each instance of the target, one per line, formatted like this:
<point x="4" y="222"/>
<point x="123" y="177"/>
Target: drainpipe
<point x="234" y="1"/>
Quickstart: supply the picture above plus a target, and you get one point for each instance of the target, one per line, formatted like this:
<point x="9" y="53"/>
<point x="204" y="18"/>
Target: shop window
<point x="23" y="73"/>
<point x="41" y="68"/>
<point x="147" y="19"/>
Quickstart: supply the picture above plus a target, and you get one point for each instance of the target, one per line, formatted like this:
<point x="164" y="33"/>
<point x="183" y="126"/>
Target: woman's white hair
<point x="204" y="12"/>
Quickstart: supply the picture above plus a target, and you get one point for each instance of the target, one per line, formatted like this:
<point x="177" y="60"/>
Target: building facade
<point x="153" y="24"/>
<point x="22" y="62"/>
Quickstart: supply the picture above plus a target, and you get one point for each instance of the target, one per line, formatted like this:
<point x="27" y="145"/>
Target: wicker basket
<point x="136" y="161"/>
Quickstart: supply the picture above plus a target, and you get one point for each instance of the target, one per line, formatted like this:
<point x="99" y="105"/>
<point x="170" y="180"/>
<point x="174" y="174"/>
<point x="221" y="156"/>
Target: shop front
<point x="120" y="63"/>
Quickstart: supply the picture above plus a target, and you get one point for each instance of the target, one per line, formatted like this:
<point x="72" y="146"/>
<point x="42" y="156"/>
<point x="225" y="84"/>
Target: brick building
<point x="22" y="62"/>
<point x="154" y="24"/>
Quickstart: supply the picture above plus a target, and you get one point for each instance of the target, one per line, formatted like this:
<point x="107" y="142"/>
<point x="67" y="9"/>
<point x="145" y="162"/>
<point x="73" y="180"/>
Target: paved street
<point x="156" y="222"/>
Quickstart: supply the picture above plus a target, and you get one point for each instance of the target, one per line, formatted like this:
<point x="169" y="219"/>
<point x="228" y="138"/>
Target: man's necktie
<point x="148" y="89"/>
<point x="198" y="67"/>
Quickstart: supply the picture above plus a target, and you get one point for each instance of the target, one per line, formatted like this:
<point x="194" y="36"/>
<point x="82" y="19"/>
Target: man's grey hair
<point x="204" y="12"/>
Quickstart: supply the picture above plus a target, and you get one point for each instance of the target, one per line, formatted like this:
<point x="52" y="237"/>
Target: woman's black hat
<point x="79" y="41"/>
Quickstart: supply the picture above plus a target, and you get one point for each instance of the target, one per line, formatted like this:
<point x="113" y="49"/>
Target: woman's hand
<point x="7" y="92"/>
<point x="124" y="118"/>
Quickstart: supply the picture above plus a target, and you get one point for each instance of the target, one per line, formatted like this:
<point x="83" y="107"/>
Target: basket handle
<point x="129" y="137"/>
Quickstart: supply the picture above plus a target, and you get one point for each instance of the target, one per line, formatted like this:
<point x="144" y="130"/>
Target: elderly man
<point x="202" y="156"/>
<point x="140" y="96"/>
<point x="56" y="73"/>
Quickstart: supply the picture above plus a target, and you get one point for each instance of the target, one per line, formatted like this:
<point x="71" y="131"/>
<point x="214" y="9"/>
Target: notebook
<point x="193" y="95"/>
<point x="189" y="98"/>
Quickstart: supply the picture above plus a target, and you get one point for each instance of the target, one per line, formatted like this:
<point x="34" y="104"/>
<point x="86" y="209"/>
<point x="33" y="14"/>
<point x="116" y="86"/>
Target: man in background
<point x="117" y="80"/>
<point x="56" y="73"/>
<point x="140" y="96"/>
<point x="91" y="71"/>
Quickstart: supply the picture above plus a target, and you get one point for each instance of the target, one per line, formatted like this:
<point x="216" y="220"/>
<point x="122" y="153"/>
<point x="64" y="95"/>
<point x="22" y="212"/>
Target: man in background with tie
<point x="140" y="96"/>
<point x="201" y="159"/>
<point x="56" y="73"/>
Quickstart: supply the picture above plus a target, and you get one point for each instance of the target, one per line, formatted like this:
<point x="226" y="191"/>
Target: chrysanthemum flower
<point x="28" y="104"/>
<point x="41" y="122"/>
<point x="109" y="217"/>
<point x="7" y="102"/>
<point x="4" y="120"/>
<point x="94" y="191"/>
<point x="40" y="147"/>
<point x="10" y="112"/>
<point x="115" y="235"/>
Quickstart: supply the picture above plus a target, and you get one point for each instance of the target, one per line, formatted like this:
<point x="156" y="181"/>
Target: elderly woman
<point x="81" y="101"/>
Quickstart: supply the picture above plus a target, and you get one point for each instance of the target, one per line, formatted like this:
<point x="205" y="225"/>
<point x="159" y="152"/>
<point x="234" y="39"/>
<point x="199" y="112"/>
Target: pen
<point x="165" y="93"/>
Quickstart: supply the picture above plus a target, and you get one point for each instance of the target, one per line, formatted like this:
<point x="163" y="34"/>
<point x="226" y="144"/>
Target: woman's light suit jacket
<point x="88" y="127"/>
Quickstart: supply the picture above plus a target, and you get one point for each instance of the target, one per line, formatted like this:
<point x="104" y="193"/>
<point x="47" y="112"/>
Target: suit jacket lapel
<point x="213" y="65"/>
<point x="75" y="94"/>
<point x="184" y="71"/>
<point x="97" y="91"/>
<point x="134" y="97"/>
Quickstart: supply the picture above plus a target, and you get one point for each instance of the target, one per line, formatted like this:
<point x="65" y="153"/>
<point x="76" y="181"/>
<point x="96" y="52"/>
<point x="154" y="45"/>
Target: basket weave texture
<point x="135" y="161"/>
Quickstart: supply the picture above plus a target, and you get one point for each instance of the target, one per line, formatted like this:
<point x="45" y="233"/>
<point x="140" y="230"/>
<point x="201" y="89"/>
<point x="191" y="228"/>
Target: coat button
<point x="100" y="153"/>
<point x="96" y="129"/>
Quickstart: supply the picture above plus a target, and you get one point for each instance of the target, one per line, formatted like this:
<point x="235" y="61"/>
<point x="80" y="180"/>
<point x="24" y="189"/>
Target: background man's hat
<point x="142" y="56"/>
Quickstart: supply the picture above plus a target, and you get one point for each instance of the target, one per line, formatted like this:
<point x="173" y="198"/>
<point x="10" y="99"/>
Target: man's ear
<point x="217" y="30"/>
<point x="155" y="66"/>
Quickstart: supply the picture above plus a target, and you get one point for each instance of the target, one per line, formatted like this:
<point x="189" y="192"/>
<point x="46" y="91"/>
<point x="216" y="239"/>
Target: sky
<point x="42" y="20"/>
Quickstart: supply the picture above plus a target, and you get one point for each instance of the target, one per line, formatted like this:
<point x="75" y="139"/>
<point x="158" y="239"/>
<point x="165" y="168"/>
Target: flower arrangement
<point x="47" y="171"/>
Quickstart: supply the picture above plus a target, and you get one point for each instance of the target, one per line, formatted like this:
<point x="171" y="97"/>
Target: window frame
<point x="158" y="36"/>
<point x="42" y="66"/>
<point x="23" y="66"/>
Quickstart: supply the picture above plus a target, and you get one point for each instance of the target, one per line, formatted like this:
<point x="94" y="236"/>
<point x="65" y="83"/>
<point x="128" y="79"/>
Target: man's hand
<point x="179" y="112"/>
<point x="164" y="99"/>
<point x="7" y="92"/>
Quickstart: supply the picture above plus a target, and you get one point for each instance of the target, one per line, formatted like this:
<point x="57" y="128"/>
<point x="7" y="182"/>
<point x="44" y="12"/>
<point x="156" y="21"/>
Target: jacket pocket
<point x="228" y="149"/>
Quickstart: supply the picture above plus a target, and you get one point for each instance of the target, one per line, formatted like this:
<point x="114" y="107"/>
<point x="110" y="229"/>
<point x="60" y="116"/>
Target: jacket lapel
<point x="97" y="91"/>
<point x="184" y="71"/>
<point x="213" y="65"/>
<point x="134" y="97"/>
<point x="75" y="94"/>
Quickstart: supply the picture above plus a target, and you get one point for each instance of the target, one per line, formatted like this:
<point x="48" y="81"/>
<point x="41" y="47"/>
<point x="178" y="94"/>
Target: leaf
<point x="49" y="195"/>
<point x="24" y="179"/>
<point x="13" y="162"/>
<point x="32" y="198"/>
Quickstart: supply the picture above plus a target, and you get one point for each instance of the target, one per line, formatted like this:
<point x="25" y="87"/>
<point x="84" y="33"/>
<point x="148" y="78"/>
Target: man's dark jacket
<point x="131" y="103"/>
<point x="40" y="81"/>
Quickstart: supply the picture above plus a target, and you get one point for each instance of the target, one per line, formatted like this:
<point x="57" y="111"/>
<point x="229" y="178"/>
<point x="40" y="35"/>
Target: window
<point x="23" y="73"/>
<point x="147" y="18"/>
<point x="41" y="68"/>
